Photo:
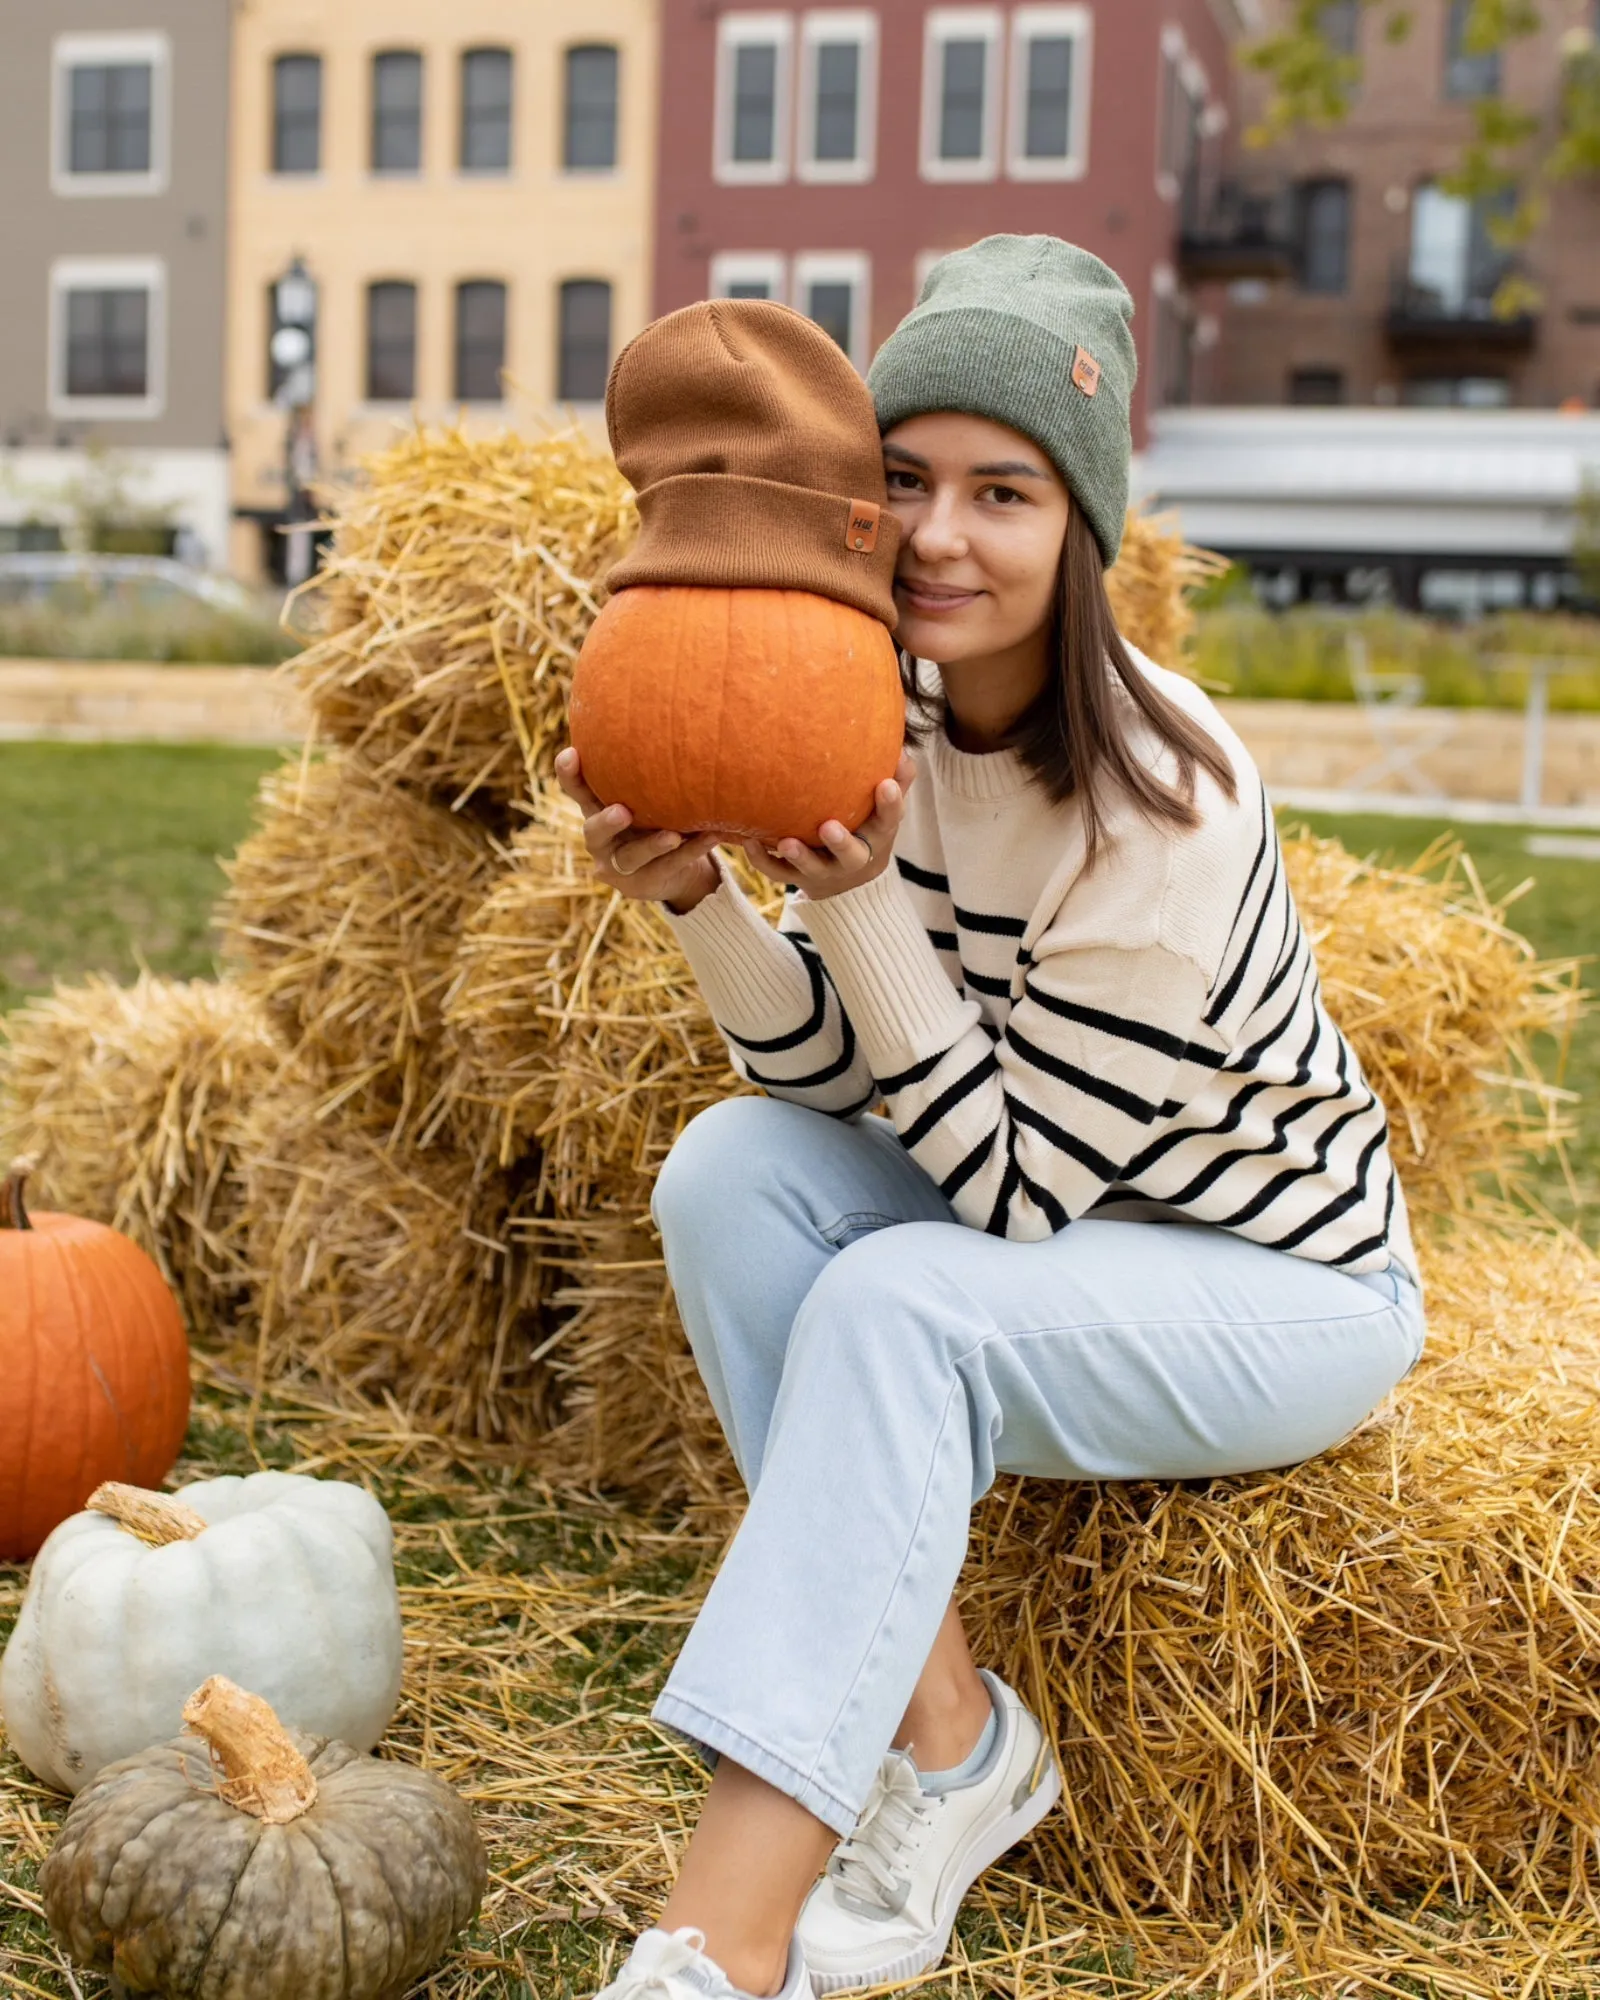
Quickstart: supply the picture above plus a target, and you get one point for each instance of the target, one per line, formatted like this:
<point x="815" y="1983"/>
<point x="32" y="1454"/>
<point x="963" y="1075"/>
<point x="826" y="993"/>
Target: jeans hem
<point x="709" y="1733"/>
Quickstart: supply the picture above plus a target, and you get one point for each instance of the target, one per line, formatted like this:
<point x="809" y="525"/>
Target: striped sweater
<point x="1143" y="1039"/>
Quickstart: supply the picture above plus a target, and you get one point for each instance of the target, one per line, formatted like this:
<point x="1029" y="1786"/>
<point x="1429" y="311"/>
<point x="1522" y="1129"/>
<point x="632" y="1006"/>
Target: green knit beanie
<point x="1030" y="332"/>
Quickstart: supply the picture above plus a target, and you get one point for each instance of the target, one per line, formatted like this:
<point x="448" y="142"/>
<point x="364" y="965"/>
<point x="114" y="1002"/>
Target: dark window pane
<point x="391" y="342"/>
<point x="1338" y="23"/>
<point x="1316" y="386"/>
<point x="961" y="100"/>
<point x="585" y="341"/>
<point x="480" y="341"/>
<point x="838" y="100"/>
<point x="1049" y="117"/>
<point x="748" y="288"/>
<point x="397" y="112"/>
<point x="829" y="304"/>
<point x="1324" y="236"/>
<point x="1467" y="72"/>
<point x="297" y="114"/>
<point x="755" y="101"/>
<point x="591" y="130"/>
<point x="108" y="343"/>
<point x="486" y="111"/>
<point x="109" y="118"/>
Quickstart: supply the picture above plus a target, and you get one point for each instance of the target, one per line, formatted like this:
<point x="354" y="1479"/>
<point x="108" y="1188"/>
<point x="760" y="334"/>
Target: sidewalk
<point x="1308" y="751"/>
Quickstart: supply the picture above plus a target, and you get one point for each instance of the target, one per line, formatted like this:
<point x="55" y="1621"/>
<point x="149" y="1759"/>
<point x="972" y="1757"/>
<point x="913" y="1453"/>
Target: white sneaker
<point x="672" y="1965"/>
<point x="885" y="1908"/>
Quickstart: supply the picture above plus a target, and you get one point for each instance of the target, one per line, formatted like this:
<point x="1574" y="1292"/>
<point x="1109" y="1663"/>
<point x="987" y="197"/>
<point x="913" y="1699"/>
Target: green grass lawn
<point x="108" y="861"/>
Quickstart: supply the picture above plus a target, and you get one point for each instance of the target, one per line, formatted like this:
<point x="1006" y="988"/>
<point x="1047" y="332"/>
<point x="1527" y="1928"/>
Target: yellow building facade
<point x="468" y="184"/>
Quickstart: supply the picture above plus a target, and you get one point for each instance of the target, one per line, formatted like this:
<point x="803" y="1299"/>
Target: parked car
<point x="149" y="582"/>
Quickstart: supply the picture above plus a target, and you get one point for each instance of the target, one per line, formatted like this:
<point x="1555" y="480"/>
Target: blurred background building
<point x="113" y="156"/>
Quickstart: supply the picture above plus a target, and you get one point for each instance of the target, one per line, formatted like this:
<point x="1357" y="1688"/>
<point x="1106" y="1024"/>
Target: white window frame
<point x="1027" y="25"/>
<point x="840" y="25"/>
<point x="961" y="24"/>
<point x="733" y="267"/>
<point x="70" y="52"/>
<point x="741" y="30"/>
<point x="834" y="267"/>
<point x="75" y="274"/>
<point x="1189" y="76"/>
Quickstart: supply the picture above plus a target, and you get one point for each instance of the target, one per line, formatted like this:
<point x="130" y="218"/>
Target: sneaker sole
<point x="1002" y="1836"/>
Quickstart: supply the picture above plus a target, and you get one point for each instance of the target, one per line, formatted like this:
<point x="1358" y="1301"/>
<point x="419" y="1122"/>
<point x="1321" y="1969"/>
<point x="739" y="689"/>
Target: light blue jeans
<point x="875" y="1363"/>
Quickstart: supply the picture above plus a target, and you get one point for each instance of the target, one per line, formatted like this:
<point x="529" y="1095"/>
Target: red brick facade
<point x="1081" y="120"/>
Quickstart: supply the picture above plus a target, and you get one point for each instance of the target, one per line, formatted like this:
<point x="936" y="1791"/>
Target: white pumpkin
<point x="283" y="1583"/>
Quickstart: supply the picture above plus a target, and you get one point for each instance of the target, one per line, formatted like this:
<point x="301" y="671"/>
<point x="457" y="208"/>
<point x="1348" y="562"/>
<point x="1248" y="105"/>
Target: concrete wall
<point x="530" y="228"/>
<point x="1119" y="207"/>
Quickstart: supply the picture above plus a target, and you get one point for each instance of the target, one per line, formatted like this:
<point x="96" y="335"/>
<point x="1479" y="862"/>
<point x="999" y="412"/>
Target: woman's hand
<point x="673" y="868"/>
<point x="845" y="860"/>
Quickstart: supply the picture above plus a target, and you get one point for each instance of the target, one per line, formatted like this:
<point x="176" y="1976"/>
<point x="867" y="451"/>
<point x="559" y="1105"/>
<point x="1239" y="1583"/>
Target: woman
<point x="1130" y="1213"/>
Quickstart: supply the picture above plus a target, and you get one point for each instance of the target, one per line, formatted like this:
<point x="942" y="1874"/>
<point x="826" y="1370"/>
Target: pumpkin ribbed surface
<point x="744" y="712"/>
<point x="160" y="1881"/>
<point x="95" y="1367"/>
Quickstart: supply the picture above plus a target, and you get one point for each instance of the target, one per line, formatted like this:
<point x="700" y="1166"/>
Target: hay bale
<point x="1370" y="1676"/>
<point x="1151" y="582"/>
<point x="1441" y="1001"/>
<point x="341" y="918"/>
<point x="131" y="1098"/>
<point x="390" y="1273"/>
<point x="576" y="1024"/>
<point x="463" y="577"/>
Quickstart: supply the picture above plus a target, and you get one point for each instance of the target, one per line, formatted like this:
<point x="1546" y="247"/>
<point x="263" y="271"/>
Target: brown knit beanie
<point x="753" y="447"/>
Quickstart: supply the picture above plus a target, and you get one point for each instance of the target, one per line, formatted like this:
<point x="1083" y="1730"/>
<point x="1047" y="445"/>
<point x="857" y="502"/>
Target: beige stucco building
<point x="469" y="187"/>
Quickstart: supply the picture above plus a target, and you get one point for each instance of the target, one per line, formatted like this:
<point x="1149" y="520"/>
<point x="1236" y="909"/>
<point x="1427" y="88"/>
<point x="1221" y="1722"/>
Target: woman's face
<point x="983" y="516"/>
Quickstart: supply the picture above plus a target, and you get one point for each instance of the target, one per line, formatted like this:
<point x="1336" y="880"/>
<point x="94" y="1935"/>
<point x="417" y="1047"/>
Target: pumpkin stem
<point x="155" y="1518"/>
<point x="259" y="1771"/>
<point x="13" y="1208"/>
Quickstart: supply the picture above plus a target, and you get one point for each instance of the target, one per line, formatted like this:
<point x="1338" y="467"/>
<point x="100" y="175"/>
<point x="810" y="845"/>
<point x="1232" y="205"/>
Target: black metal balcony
<point x="1430" y="318"/>
<point x="1239" y="232"/>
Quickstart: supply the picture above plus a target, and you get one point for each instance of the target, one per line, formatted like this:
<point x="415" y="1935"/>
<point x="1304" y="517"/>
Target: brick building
<point x="825" y="155"/>
<point x="1390" y="298"/>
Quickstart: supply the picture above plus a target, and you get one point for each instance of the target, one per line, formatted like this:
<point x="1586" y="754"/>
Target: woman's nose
<point x="939" y="535"/>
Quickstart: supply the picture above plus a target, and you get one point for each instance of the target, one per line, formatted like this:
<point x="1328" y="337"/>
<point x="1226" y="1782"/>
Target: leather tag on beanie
<point x="1085" y="371"/>
<point x="861" y="530"/>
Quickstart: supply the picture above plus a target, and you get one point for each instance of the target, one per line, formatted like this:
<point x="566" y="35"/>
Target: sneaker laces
<point x="649" y="1976"/>
<point x="868" y="1864"/>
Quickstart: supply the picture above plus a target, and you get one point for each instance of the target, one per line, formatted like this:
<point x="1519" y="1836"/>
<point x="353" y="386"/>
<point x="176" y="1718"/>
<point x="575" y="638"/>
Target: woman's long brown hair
<point x="1074" y="737"/>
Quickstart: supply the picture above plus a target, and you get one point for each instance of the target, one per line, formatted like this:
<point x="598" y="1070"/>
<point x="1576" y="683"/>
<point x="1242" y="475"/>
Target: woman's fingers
<point x="627" y="857"/>
<point x="569" y="776"/>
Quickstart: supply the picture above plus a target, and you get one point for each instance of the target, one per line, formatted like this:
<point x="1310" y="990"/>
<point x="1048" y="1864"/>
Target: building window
<point x="1323" y="211"/>
<point x="1339" y="23"/>
<point x="1183" y="102"/>
<point x="1452" y="392"/>
<point x="391" y="341"/>
<point x="838" y="96"/>
<point x="480" y="341"/>
<point x="397" y="112"/>
<point x="832" y="290"/>
<point x="585" y="341"/>
<point x="1049" y="93"/>
<point x="296" y="114"/>
<point x="107" y="335"/>
<point x="590" y="124"/>
<point x="1174" y="343"/>
<point x="749" y="274"/>
<point x="1468" y="72"/>
<point x="110" y="96"/>
<point x="961" y="94"/>
<point x="753" y="92"/>
<point x="486" y="111"/>
<point x="1316" y="388"/>
<point x="1456" y="266"/>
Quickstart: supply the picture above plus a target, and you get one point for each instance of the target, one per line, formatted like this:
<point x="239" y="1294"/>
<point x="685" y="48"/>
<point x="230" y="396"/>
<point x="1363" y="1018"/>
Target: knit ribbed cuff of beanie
<point x="697" y="528"/>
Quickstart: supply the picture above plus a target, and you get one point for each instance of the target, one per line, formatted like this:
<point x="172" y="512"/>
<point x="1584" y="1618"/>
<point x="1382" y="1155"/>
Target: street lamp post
<point x="294" y="356"/>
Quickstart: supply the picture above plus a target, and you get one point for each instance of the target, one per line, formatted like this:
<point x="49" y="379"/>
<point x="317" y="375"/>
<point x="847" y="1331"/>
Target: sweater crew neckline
<point x="985" y="776"/>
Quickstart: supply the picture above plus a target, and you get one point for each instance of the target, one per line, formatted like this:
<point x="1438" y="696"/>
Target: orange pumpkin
<point x="94" y="1365"/>
<point x="743" y="712"/>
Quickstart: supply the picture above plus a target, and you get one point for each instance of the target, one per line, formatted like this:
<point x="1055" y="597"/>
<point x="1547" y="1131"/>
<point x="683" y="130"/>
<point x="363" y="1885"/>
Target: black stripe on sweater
<point x="820" y="988"/>
<point x="924" y="878"/>
<point x="1352" y="1197"/>
<point x="1124" y="1030"/>
<point x="1139" y="1108"/>
<point x="981" y="1071"/>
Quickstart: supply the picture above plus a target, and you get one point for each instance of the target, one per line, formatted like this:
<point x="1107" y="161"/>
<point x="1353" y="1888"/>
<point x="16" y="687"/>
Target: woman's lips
<point x="933" y="601"/>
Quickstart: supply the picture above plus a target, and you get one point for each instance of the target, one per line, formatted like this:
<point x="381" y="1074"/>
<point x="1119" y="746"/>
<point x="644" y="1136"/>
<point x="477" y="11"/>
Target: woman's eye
<point x="900" y="481"/>
<point x="1005" y="495"/>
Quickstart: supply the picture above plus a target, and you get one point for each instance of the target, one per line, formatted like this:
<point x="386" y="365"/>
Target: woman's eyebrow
<point x="1011" y="468"/>
<point x="907" y="457"/>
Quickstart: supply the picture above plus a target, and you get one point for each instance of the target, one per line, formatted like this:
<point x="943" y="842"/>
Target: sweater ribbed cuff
<point x="896" y="993"/>
<point x="754" y="983"/>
